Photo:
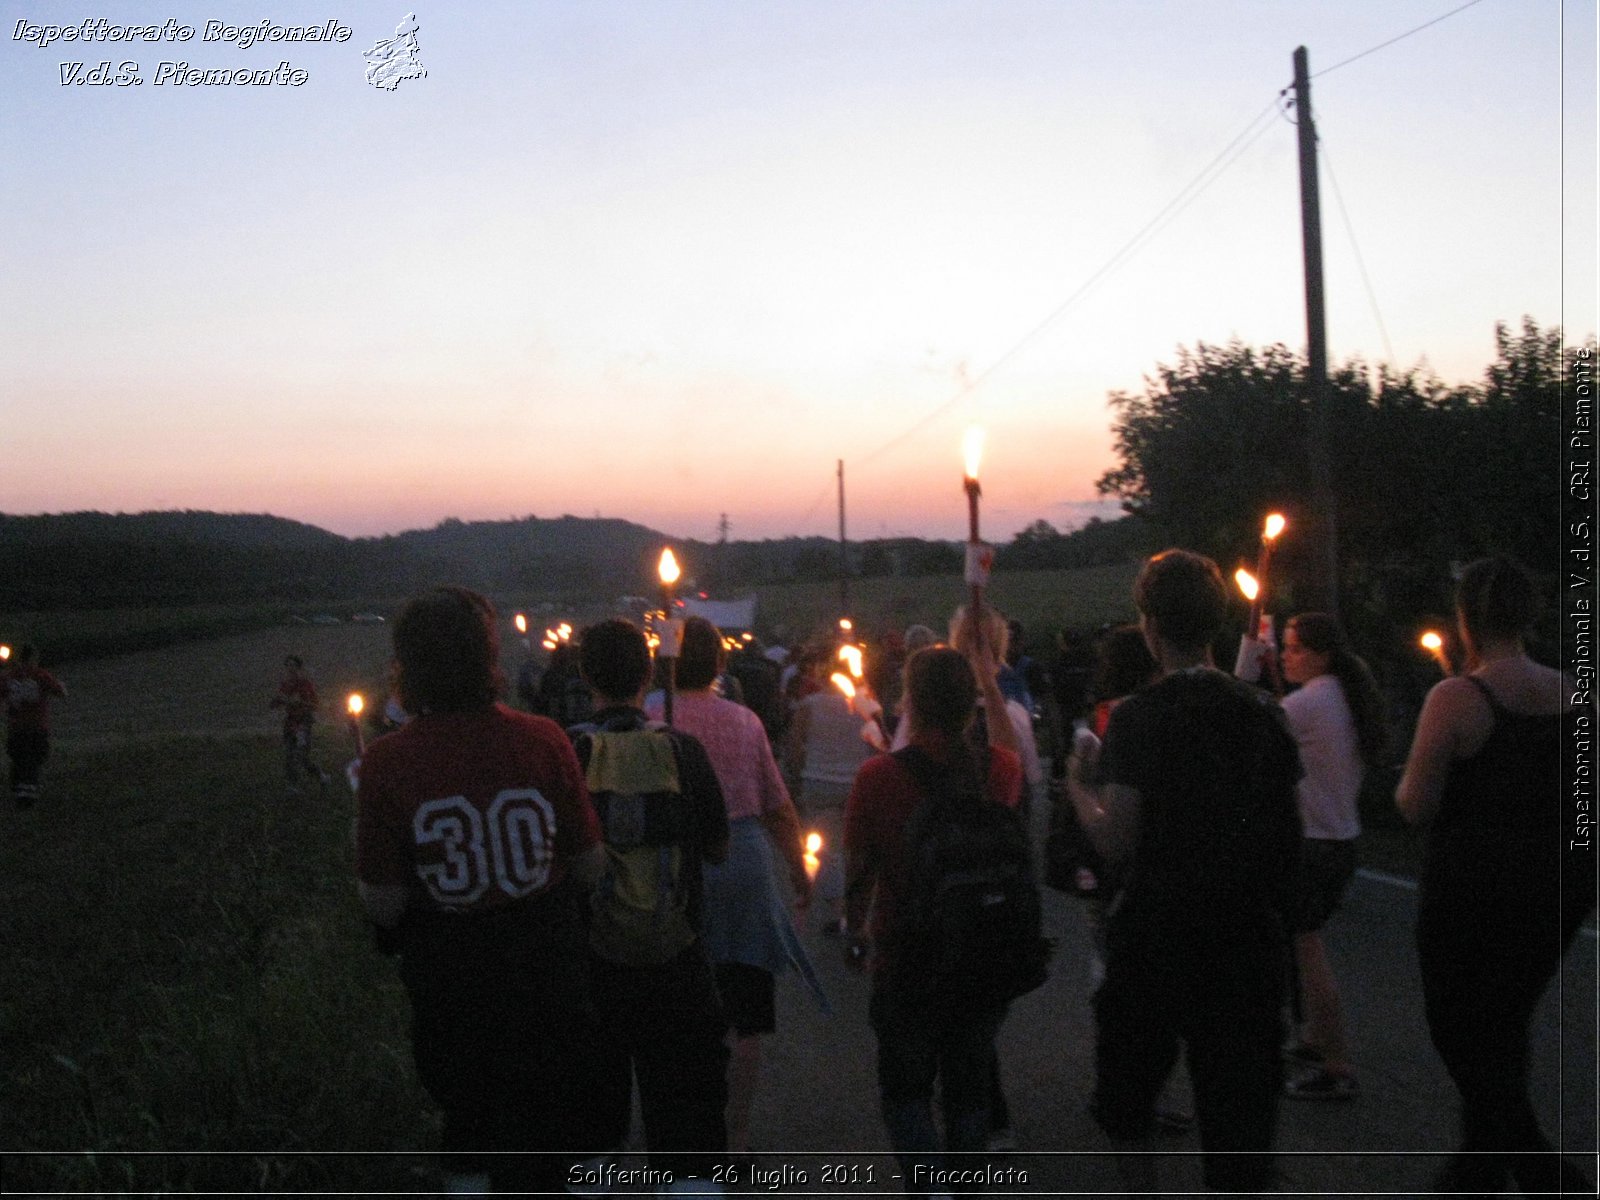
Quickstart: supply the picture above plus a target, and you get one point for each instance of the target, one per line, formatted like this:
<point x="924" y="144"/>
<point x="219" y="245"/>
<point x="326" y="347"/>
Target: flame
<point x="813" y="864"/>
<point x="521" y="623"/>
<point x="843" y="682"/>
<point x="846" y="624"/>
<point x="851" y="657"/>
<point x="1276" y="523"/>
<point x="813" y="843"/>
<point x="564" y="632"/>
<point x="1431" y="642"/>
<point x="548" y="643"/>
<point x="5" y="653"/>
<point x="355" y="704"/>
<point x="668" y="567"/>
<point x="1247" y="584"/>
<point x="972" y="450"/>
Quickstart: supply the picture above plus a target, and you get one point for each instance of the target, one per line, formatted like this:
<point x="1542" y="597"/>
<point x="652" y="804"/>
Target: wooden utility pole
<point x="844" y="552"/>
<point x="1324" y="528"/>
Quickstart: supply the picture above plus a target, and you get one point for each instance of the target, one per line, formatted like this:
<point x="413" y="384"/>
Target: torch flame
<point x="851" y="657"/>
<point x="5" y="653"/>
<point x="355" y="704"/>
<point x="1432" y="642"/>
<point x="972" y="450"/>
<point x="1276" y="523"/>
<point x="668" y="568"/>
<point x="843" y="682"/>
<point x="1247" y="584"/>
<point x="846" y="624"/>
<point x="521" y="623"/>
<point x="564" y="631"/>
<point x="548" y="643"/>
<point x="813" y="842"/>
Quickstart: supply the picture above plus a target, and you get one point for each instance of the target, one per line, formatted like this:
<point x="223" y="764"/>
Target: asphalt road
<point x="816" y="1111"/>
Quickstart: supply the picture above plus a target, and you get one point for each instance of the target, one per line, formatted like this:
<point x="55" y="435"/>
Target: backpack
<point x="969" y="934"/>
<point x="640" y="909"/>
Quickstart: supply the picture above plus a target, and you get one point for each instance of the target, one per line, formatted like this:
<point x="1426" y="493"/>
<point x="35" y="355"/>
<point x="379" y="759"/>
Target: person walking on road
<point x="940" y="984"/>
<point x="1191" y="800"/>
<point x="1336" y="716"/>
<point x="1505" y="881"/>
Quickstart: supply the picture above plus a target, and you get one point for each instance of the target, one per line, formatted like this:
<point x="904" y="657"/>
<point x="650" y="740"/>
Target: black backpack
<point x="969" y="931"/>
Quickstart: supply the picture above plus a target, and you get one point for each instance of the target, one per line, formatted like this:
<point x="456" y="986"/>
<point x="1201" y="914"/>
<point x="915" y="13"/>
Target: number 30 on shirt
<point x="509" y="845"/>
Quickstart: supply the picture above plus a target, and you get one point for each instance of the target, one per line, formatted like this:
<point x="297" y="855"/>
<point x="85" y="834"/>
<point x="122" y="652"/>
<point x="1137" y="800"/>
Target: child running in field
<point x="297" y="696"/>
<point x="27" y="689"/>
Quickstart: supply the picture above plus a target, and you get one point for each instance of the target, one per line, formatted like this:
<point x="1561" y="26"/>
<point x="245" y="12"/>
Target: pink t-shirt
<point x="736" y="742"/>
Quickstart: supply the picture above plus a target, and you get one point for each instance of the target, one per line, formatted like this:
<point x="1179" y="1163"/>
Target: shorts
<point x="1326" y="868"/>
<point x="748" y="998"/>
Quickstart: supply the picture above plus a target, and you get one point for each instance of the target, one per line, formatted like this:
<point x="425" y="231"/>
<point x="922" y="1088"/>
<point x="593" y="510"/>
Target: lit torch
<point x="862" y="704"/>
<point x="1433" y="643"/>
<point x="813" y="860"/>
<point x="353" y="706"/>
<point x="521" y="622"/>
<point x="5" y="653"/>
<point x="1275" y="524"/>
<point x="671" y="630"/>
<point x="980" y="558"/>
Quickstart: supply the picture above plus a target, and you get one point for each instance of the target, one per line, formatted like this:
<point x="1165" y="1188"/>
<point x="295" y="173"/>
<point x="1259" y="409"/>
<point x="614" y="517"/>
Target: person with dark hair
<point x="662" y="817"/>
<point x="1124" y="665"/>
<point x="1191" y="801"/>
<point x="919" y="1042"/>
<point x="1505" y="882"/>
<point x="1336" y="716"/>
<point x="27" y="689"/>
<point x="748" y="932"/>
<point x="297" y="696"/>
<point x="474" y="840"/>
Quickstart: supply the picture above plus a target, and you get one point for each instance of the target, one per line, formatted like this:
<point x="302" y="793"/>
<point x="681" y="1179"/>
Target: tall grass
<point x="191" y="990"/>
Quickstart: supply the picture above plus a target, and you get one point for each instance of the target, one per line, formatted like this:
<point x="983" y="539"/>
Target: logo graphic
<point x="392" y="60"/>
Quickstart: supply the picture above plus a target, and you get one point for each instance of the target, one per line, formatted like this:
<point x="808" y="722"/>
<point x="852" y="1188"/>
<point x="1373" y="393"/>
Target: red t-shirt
<point x="470" y="811"/>
<point x="297" y="696"/>
<point x="27" y="692"/>
<point x="881" y="802"/>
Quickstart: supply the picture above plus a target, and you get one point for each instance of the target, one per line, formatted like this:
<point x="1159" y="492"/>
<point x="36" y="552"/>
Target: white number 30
<point x="515" y="855"/>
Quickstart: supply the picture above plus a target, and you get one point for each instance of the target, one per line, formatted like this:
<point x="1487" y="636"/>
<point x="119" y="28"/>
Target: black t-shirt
<point x="1218" y="843"/>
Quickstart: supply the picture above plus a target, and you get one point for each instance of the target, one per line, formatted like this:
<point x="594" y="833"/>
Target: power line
<point x="1396" y="38"/>
<point x="1185" y="196"/>
<point x="1361" y="265"/>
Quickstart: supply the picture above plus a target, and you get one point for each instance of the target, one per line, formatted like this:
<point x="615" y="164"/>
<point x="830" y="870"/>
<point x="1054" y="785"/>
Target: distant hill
<point x="96" y="560"/>
<point x="111" y="560"/>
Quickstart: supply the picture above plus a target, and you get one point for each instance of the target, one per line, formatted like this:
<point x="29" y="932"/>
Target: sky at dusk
<point x="669" y="259"/>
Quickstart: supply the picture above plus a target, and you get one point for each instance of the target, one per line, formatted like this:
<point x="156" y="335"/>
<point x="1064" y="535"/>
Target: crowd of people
<point x="630" y="886"/>
<point x="600" y="895"/>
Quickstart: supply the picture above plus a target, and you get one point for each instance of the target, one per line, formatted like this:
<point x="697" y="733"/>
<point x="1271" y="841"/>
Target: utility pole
<point x="1324" y="524"/>
<point x="844" y="552"/>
